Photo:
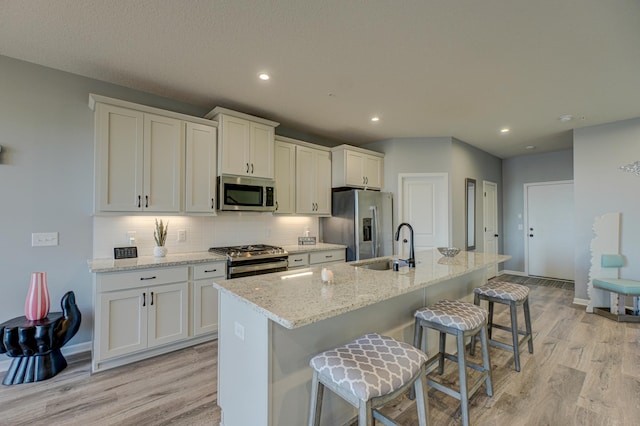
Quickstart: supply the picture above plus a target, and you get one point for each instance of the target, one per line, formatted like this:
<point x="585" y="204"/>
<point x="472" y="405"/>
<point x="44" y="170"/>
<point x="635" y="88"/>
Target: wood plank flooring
<point x="585" y="370"/>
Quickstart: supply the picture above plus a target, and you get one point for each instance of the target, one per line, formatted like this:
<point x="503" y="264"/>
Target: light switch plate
<point x="42" y="239"/>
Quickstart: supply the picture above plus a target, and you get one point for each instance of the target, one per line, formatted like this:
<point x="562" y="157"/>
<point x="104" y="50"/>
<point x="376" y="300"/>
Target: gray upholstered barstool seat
<point x="513" y="295"/>
<point x="462" y="320"/>
<point x="369" y="372"/>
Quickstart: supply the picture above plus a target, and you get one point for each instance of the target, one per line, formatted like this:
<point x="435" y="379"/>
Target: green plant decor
<point x="160" y="234"/>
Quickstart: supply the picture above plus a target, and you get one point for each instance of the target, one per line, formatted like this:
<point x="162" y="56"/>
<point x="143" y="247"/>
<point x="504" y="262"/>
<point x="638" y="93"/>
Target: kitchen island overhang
<point x="271" y="325"/>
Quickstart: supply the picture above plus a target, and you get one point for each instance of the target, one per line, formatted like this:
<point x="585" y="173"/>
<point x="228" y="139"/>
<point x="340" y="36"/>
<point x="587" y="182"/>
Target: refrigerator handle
<point x="376" y="229"/>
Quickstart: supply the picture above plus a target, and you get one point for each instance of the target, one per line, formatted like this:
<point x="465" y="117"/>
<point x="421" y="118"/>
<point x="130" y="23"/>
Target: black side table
<point x="35" y="345"/>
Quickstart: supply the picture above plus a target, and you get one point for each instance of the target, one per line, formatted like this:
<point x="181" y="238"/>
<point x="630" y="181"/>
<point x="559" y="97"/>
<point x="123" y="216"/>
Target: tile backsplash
<point x="201" y="232"/>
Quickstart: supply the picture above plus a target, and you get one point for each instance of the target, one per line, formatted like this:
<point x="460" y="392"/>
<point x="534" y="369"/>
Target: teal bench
<point x="622" y="287"/>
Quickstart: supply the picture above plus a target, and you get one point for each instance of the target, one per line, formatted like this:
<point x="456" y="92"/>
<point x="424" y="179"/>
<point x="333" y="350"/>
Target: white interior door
<point x="424" y="204"/>
<point x="549" y="231"/>
<point x="490" y="218"/>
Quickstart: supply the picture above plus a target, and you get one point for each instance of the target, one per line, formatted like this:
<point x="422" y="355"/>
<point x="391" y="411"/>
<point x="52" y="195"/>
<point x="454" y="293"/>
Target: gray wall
<point x="517" y="171"/>
<point x="470" y="162"/>
<point x="442" y="155"/>
<point x="46" y="175"/>
<point x="601" y="187"/>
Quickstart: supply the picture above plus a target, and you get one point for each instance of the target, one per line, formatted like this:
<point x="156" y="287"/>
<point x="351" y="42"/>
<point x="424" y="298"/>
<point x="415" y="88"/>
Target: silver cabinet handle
<point x="144" y="299"/>
<point x="213" y="203"/>
<point x="247" y="167"/>
<point x="151" y="298"/>
<point x="146" y="201"/>
<point x="147" y="278"/>
<point x="251" y="168"/>
<point x="139" y="198"/>
<point x="210" y="270"/>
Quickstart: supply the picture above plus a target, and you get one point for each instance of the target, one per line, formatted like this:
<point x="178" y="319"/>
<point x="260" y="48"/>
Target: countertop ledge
<point x="146" y="262"/>
<point x="295" y="249"/>
<point x="297" y="298"/>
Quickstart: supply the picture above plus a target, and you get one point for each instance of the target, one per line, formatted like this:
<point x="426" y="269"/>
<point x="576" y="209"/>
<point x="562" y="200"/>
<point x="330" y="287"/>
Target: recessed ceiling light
<point x="530" y="147"/>
<point x="374" y="119"/>
<point x="505" y="130"/>
<point x="263" y="76"/>
<point x="565" y="117"/>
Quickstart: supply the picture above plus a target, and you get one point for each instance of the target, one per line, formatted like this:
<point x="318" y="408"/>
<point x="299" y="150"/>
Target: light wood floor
<point x="585" y="371"/>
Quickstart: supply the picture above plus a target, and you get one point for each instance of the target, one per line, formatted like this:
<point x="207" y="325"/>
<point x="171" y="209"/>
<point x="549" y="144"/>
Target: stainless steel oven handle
<point x="257" y="267"/>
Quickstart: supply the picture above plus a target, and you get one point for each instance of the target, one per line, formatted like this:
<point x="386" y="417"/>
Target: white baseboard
<point x="5" y="360"/>
<point x="583" y="302"/>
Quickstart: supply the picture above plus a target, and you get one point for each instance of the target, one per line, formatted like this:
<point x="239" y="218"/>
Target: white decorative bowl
<point x="449" y="251"/>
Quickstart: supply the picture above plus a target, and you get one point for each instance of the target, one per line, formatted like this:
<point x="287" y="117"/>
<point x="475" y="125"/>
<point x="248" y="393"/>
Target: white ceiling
<point x="461" y="68"/>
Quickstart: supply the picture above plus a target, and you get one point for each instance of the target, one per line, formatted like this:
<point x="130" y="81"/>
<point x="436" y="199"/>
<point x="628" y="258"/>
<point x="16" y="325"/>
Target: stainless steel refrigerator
<point x="362" y="220"/>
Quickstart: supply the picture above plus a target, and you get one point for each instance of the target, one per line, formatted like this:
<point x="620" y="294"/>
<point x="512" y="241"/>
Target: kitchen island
<point x="271" y="325"/>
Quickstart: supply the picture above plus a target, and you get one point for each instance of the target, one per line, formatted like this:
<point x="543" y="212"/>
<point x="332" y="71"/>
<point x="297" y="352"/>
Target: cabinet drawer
<point x="327" y="256"/>
<point x="142" y="278"/>
<point x="298" y="260"/>
<point x="209" y="270"/>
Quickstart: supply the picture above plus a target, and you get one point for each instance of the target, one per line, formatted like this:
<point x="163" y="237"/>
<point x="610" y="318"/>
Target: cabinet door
<point x="285" y="176"/>
<point x="354" y="168"/>
<point x="235" y="134"/>
<point x="323" y="182"/>
<point x="119" y="151"/>
<point x="372" y="171"/>
<point x="168" y="307"/>
<point x="163" y="148"/>
<point x="123" y="322"/>
<point x="200" y="186"/>
<point x="305" y="190"/>
<point x="261" y="151"/>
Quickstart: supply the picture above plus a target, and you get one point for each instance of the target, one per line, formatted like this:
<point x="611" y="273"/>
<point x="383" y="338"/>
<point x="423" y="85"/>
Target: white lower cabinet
<point x="205" y="297"/>
<point x="316" y="258"/>
<point x="146" y="312"/>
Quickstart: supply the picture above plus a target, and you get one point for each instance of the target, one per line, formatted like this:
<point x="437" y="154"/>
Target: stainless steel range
<point x="254" y="259"/>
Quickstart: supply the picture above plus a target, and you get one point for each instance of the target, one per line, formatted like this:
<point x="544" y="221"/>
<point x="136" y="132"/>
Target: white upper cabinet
<point x="138" y="161"/>
<point x="245" y="144"/>
<point x="285" y="175"/>
<point x="313" y="180"/>
<point x="356" y="168"/>
<point x="201" y="168"/>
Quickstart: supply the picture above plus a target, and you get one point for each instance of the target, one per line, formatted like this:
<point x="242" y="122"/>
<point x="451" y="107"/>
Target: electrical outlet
<point x="41" y="239"/>
<point x="182" y="235"/>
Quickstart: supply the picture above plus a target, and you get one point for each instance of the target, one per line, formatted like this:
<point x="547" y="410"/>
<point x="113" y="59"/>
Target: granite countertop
<point x="144" y="262"/>
<point x="294" y="249"/>
<point x="297" y="298"/>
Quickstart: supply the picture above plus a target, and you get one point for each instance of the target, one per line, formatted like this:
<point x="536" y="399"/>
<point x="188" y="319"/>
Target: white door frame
<point x="445" y="179"/>
<point x="485" y="222"/>
<point x="526" y="216"/>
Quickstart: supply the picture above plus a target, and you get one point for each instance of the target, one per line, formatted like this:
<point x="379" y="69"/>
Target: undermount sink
<point x="380" y="265"/>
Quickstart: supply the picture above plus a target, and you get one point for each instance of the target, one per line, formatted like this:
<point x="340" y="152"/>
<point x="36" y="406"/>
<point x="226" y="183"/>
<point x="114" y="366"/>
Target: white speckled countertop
<point x="297" y="298"/>
<point x="143" y="262"/>
<point x="293" y="249"/>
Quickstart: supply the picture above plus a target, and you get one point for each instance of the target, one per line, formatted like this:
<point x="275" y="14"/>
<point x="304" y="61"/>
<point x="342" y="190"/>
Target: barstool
<point x="513" y="295"/>
<point x="368" y="373"/>
<point x="462" y="320"/>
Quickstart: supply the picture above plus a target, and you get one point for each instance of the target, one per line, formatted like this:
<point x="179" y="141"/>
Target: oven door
<point x="257" y="267"/>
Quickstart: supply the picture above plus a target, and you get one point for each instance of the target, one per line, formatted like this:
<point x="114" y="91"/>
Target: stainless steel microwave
<point x="246" y="194"/>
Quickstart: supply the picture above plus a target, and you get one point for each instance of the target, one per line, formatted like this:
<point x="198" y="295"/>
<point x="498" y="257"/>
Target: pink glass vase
<point x="36" y="306"/>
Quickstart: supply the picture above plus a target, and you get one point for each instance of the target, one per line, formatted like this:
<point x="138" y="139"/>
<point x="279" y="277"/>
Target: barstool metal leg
<point x="317" y="390"/>
<point x="486" y="361"/>
<point x="464" y="389"/>
<point x="514" y="334"/>
<point x="527" y="322"/>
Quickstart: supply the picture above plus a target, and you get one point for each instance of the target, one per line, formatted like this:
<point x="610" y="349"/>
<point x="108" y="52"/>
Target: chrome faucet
<point x="411" y="261"/>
